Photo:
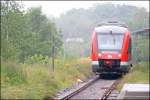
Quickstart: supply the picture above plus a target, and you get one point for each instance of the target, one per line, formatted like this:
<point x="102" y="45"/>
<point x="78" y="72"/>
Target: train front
<point x="111" y="49"/>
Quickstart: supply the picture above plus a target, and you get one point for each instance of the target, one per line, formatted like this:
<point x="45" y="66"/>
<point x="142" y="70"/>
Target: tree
<point x="26" y="34"/>
<point x="12" y="29"/>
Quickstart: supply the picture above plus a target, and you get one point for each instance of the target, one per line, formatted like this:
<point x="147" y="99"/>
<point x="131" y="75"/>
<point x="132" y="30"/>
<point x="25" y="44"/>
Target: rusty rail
<point x="78" y="90"/>
<point x="109" y="90"/>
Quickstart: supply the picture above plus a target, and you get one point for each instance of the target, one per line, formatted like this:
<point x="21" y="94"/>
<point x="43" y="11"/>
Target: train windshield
<point x="110" y="42"/>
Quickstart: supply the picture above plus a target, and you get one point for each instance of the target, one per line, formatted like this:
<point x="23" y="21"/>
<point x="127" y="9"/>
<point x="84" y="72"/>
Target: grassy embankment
<point x="139" y="74"/>
<point x="35" y="81"/>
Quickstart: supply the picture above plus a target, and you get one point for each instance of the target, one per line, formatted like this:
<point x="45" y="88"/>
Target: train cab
<point x="111" y="48"/>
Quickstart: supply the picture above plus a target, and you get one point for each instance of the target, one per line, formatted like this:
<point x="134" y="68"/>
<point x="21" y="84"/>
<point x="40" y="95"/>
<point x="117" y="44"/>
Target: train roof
<point x="116" y="23"/>
<point x="113" y="26"/>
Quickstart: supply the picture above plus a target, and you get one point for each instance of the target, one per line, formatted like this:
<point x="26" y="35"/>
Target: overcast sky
<point x="55" y="8"/>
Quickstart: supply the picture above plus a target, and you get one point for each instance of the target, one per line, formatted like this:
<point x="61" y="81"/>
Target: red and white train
<point x="111" y="48"/>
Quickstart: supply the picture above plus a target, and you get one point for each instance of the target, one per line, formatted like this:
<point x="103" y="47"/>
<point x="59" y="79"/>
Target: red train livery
<point x="111" y="48"/>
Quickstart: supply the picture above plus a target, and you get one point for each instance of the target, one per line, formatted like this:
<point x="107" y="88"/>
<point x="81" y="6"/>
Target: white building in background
<point x="74" y="47"/>
<point x="79" y="40"/>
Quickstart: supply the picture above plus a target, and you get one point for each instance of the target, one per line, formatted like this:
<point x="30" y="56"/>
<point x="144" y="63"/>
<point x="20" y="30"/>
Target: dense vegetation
<point x="37" y="81"/>
<point x="27" y="39"/>
<point x="25" y="34"/>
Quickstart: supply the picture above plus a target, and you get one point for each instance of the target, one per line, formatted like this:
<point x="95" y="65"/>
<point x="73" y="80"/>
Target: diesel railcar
<point x="111" y="48"/>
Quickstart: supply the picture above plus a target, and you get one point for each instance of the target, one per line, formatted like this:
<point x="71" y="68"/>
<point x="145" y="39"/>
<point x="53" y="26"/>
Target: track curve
<point x="95" y="88"/>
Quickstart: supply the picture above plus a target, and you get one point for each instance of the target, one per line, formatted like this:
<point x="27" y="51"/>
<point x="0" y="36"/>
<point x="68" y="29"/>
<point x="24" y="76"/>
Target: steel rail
<point x="78" y="90"/>
<point x="89" y="83"/>
<point x="110" y="89"/>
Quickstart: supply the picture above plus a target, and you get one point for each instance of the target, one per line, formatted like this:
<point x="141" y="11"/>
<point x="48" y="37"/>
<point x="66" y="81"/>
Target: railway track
<point x="95" y="88"/>
<point x="110" y="90"/>
<point x="75" y="91"/>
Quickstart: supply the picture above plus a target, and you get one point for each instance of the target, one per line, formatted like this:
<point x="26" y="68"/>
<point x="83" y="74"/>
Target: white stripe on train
<point x="94" y="62"/>
<point x="122" y="63"/>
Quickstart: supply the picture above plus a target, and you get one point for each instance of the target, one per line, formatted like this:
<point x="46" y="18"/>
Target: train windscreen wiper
<point x="114" y="41"/>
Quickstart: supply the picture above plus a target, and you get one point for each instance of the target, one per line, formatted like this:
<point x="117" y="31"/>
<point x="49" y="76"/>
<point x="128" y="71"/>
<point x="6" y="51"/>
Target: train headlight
<point x="109" y="56"/>
<point x="119" y="55"/>
<point x="100" y="54"/>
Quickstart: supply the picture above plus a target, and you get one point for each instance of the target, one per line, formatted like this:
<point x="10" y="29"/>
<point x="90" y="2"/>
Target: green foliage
<point x="28" y="33"/>
<point x="143" y="48"/>
<point x="140" y="48"/>
<point x="37" y="81"/>
<point x="13" y="73"/>
<point x="12" y="28"/>
<point x="142" y="67"/>
<point x="37" y="59"/>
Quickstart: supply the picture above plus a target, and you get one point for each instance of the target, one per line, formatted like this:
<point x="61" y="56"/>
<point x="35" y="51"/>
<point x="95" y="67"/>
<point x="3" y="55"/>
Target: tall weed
<point x="37" y="81"/>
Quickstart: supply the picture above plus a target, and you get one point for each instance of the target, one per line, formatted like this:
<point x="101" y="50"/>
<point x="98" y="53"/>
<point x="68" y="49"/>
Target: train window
<point x="110" y="41"/>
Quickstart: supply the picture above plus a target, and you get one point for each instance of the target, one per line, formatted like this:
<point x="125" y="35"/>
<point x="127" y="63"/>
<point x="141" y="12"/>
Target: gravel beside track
<point x="94" y="91"/>
<point x="93" y="88"/>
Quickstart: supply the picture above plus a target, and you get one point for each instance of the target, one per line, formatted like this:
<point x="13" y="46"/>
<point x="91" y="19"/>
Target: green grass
<point x="37" y="81"/>
<point x="139" y="74"/>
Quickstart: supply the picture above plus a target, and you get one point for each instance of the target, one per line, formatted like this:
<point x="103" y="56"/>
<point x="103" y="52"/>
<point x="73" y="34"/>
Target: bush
<point x="37" y="59"/>
<point x="13" y="73"/>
